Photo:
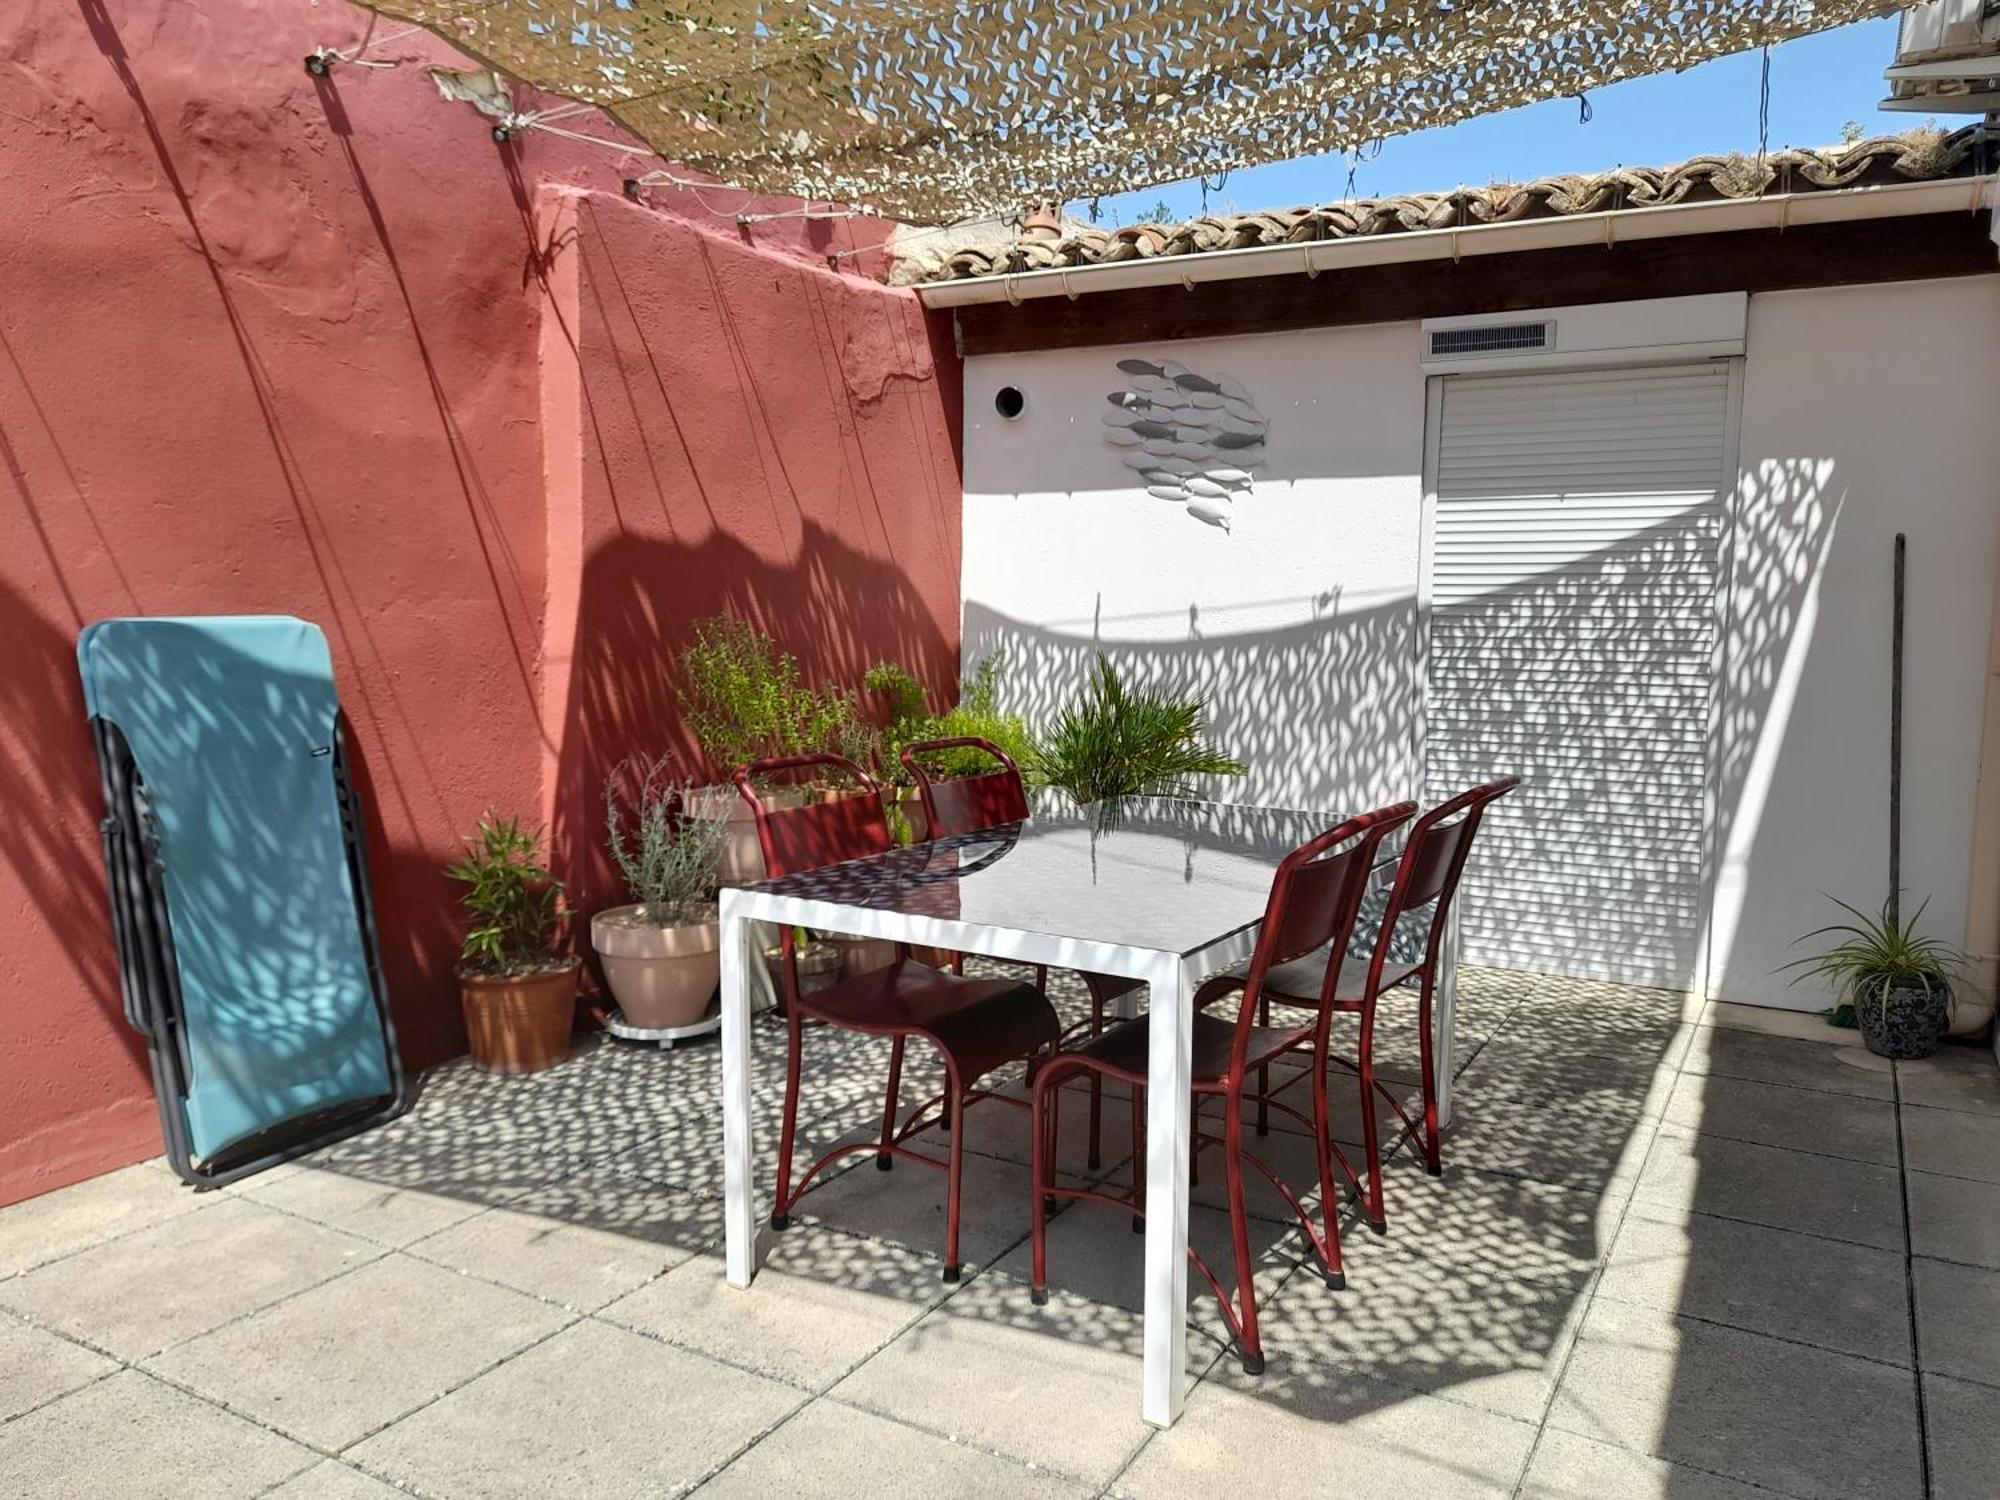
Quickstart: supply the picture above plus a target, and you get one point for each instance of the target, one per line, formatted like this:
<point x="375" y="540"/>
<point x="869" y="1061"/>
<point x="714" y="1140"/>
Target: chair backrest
<point x="967" y="804"/>
<point x="1433" y="859"/>
<point x="820" y="832"/>
<point x="1314" y="903"/>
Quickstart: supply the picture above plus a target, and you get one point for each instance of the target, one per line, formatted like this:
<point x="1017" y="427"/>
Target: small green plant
<point x="1117" y="742"/>
<point x="665" y="840"/>
<point x="1875" y="956"/>
<point x="513" y="901"/>
<point x="745" y="701"/>
<point x="977" y="715"/>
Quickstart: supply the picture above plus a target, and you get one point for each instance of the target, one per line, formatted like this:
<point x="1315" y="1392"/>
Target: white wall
<point x="1865" y="410"/>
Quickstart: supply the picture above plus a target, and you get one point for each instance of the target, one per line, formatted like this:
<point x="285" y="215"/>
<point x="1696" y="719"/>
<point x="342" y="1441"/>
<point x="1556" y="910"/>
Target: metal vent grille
<point x="1493" y="338"/>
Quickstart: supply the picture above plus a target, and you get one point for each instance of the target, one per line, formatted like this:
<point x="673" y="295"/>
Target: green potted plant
<point x="1895" y="983"/>
<point x="661" y="954"/>
<point x="1116" y="741"/>
<point x="745" y="700"/>
<point x="519" y="993"/>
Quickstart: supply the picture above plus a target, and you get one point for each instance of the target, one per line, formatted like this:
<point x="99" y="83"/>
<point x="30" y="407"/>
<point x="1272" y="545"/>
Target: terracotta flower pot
<point x="520" y="1023"/>
<point x="660" y="976"/>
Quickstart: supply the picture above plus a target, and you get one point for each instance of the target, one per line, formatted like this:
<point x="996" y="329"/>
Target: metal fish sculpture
<point x="1191" y="439"/>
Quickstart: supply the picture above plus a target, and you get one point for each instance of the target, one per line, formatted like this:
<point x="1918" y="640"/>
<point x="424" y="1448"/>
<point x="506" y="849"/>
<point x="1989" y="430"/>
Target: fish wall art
<point x="1194" y="440"/>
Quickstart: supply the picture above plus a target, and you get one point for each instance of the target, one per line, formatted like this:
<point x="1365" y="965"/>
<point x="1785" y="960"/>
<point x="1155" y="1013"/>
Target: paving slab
<point x="143" y="1292"/>
<point x="385" y="1213"/>
<point x="1848" y="1200"/>
<point x="1958" y="1321"/>
<point x="1952" y="1143"/>
<point x="1759" y="1410"/>
<point x="906" y="1206"/>
<point x="73" y="1218"/>
<point x="133" y="1437"/>
<point x="1770" y="1020"/>
<point x="821" y="1303"/>
<point x="1761" y="1057"/>
<point x="333" y="1480"/>
<point x="1798" y="1119"/>
<point x="1568" y="1467"/>
<point x="1954" y="1218"/>
<point x="1827" y="1293"/>
<point x="1964" y="1438"/>
<point x="1961" y="1078"/>
<point x="593" y="1411"/>
<point x="336" y="1363"/>
<point x="830" y="1451"/>
<point x="37" y="1366"/>
<point x="1305" y="1428"/>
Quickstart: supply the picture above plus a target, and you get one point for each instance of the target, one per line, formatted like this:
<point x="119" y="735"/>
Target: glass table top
<point x="1163" y="874"/>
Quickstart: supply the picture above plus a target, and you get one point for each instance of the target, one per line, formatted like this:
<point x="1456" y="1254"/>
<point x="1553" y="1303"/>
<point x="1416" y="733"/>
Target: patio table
<point x="1166" y="891"/>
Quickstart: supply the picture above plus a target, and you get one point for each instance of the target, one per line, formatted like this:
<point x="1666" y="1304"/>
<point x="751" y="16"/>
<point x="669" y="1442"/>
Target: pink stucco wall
<point x="323" y="349"/>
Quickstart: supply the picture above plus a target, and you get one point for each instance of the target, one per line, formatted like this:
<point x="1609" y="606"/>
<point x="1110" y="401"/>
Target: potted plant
<point x="819" y="961"/>
<point x="1115" y="741"/>
<point x="745" y="700"/>
<point x="1896" y="983"/>
<point x="661" y="954"/>
<point x="519" y="994"/>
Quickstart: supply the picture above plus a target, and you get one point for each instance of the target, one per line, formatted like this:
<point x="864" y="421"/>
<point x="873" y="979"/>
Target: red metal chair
<point x="976" y="1025"/>
<point x="1314" y="902"/>
<point x="988" y="799"/>
<point x="1427" y="875"/>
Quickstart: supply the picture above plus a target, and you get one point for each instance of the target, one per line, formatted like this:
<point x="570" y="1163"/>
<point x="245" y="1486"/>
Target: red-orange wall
<point x="323" y="349"/>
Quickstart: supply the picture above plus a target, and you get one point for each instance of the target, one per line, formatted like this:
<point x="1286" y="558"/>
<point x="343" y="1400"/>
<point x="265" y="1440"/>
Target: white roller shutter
<point x="1572" y="586"/>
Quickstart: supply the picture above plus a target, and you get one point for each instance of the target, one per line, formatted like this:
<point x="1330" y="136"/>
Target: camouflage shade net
<point x="933" y="112"/>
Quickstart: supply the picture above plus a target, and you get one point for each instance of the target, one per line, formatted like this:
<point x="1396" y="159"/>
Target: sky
<point x="1818" y="83"/>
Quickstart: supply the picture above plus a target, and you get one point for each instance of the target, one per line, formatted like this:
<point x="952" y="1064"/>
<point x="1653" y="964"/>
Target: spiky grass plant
<point x="1115" y="741"/>
<point x="665" y="840"/>
<point x="513" y="901"/>
<point x="1875" y="956"/>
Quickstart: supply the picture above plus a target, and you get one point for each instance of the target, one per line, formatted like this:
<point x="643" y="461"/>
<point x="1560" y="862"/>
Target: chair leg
<point x="1239" y="1228"/>
<point x="1041" y="1170"/>
<point x="954" y="1177"/>
<point x="1433" y="1156"/>
<point x="1138" y="1158"/>
<point x="1329" y="1184"/>
<point x="781" y="1214"/>
<point x="1095" y="1159"/>
<point x="1371" y="1129"/>
<point x="883" y="1160"/>
<point x="1264" y="1073"/>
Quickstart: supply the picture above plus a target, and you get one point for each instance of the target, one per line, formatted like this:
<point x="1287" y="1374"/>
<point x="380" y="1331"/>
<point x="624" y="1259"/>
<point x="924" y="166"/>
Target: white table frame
<point x="1169" y="1138"/>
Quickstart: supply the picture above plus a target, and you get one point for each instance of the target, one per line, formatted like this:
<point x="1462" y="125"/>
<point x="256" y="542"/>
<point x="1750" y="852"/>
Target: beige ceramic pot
<point x="660" y="976"/>
<point x="520" y="1023"/>
<point x="859" y="955"/>
<point x="818" y="965"/>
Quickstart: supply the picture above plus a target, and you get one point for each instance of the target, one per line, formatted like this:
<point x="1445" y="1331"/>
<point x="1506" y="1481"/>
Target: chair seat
<point x="1299" y="981"/>
<point x="1124" y="1049"/>
<point x="978" y="1023"/>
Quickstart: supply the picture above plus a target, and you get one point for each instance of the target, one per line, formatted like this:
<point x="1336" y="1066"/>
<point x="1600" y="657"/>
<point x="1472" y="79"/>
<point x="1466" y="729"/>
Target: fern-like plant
<point x="512" y="900"/>
<point x="665" y="840"/>
<point x="745" y="699"/>
<point x="1115" y="741"/>
<point x="1876" y="956"/>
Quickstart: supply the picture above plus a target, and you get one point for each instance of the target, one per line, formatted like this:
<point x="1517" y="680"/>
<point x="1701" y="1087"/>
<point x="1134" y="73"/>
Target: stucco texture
<point x="322" y="348"/>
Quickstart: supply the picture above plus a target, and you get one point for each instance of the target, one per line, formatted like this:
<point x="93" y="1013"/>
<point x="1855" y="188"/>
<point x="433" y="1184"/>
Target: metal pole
<point x="1896" y="745"/>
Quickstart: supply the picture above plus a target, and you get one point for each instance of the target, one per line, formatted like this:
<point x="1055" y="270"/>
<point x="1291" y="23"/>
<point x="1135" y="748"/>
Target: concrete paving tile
<point x="1056" y="1386"/>
<point x="906" y="1206"/>
<point x="340" y="1361"/>
<point x="1964" y="1439"/>
<point x="1802" y="1421"/>
<point x="1538" y="1230"/>
<point x="1001" y="1131"/>
<point x="1961" y="1078"/>
<point x="593" y="1411"/>
<point x="1958" y="1320"/>
<point x="88" y="1213"/>
<point x="382" y="1212"/>
<point x="831" y="1451"/>
<point x="1760" y="1057"/>
<point x="1568" y="1467"/>
<point x="1818" y="1291"/>
<point x="1771" y="1114"/>
<point x="1952" y="1143"/>
<point x="135" y="1438"/>
<point x="144" y="1292"/>
<point x="36" y="1366"/>
<point x="1846" y="1200"/>
<point x="1301" y="1421"/>
<point x="581" y="1243"/>
<point x="333" y="1480"/>
<point x="820" y="1304"/>
<point x="1770" y="1020"/>
<point x="1593" y="1137"/>
<point x="1952" y="1218"/>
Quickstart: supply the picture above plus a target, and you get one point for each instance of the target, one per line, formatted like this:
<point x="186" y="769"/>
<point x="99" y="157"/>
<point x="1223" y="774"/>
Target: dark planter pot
<point x="1906" y="1023"/>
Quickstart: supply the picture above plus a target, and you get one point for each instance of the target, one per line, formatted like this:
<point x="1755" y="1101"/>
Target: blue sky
<point x="1818" y="83"/>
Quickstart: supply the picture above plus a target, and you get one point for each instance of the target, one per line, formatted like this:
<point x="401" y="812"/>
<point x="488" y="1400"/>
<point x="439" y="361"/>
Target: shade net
<point x="935" y="113"/>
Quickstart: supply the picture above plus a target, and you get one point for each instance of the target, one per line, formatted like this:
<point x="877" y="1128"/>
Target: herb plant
<point x="513" y="901"/>
<point x="745" y="701"/>
<point x="665" y="840"/>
